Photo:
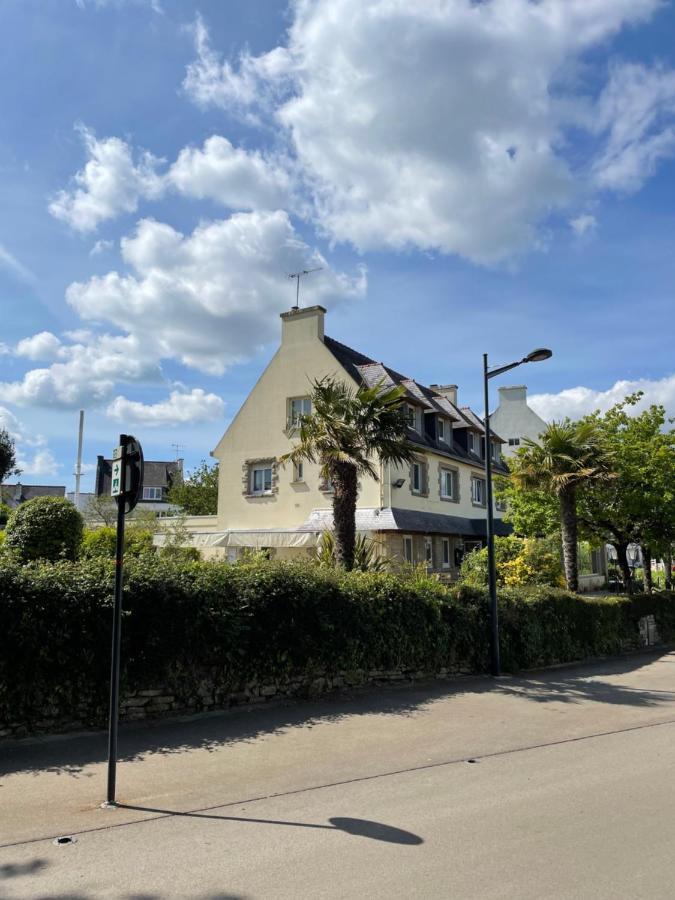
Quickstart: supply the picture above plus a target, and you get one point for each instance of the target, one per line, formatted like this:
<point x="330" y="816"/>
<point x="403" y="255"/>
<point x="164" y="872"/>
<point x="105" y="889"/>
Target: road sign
<point x="117" y="480"/>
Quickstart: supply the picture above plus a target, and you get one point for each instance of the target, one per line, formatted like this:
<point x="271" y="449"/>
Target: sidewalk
<point x="384" y="770"/>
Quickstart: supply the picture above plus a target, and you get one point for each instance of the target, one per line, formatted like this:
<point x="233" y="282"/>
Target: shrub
<point x="45" y="528"/>
<point x="5" y="512"/>
<point x="518" y="562"/>
<point x="202" y="630"/>
<point x="99" y="543"/>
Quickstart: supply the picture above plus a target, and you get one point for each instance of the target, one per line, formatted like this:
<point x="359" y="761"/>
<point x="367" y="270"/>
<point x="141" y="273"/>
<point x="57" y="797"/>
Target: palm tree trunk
<point x="343" y="476"/>
<point x="647" y="568"/>
<point x="568" y="522"/>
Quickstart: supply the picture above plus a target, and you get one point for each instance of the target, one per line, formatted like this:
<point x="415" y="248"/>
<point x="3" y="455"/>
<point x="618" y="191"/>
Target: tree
<point x="638" y="506"/>
<point x="345" y="433"/>
<point x="197" y="495"/>
<point x="568" y="456"/>
<point x="8" y="465"/>
<point x="45" y="528"/>
<point x="533" y="513"/>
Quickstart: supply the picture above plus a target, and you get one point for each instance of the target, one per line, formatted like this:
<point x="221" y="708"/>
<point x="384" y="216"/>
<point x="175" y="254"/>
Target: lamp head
<point x="539" y="355"/>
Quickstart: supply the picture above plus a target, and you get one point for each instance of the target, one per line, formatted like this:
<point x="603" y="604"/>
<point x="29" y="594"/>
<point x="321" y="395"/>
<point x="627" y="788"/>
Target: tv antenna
<point x="298" y="276"/>
<point x="177" y="448"/>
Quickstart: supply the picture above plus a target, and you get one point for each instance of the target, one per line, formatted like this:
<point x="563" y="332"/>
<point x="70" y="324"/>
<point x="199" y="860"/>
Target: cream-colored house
<point x="429" y="512"/>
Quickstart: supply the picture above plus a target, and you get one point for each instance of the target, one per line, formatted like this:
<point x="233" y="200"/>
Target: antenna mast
<point x="298" y="276"/>
<point x="78" y="464"/>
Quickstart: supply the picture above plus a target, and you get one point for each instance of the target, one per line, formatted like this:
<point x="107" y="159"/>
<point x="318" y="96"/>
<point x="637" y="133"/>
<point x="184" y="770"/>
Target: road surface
<point x="553" y="784"/>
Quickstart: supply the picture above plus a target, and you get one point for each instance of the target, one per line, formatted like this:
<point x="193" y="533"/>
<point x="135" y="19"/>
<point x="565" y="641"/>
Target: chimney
<point x="516" y="393"/>
<point x="449" y="391"/>
<point x="298" y="326"/>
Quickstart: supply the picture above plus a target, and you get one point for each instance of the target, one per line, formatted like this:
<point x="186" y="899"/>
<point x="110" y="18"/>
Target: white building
<point x="514" y="420"/>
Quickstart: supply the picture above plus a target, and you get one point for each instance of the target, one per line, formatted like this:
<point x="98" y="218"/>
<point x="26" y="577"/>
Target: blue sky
<point x="472" y="177"/>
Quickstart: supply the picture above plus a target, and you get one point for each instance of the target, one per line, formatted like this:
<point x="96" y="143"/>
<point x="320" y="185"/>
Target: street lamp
<point x="538" y="355"/>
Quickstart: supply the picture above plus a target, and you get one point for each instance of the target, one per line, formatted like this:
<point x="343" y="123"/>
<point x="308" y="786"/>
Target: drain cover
<point x="472" y="760"/>
<point x="62" y="841"/>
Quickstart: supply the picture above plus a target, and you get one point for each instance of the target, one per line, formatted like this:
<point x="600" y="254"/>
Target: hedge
<point x="187" y="622"/>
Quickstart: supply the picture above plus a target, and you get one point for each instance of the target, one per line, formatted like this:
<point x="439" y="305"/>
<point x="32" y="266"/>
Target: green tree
<point x="45" y="528"/>
<point x="197" y="495"/>
<point x="8" y="465"/>
<point x="639" y="504"/>
<point x="569" y="456"/>
<point x="347" y="432"/>
<point x="532" y="512"/>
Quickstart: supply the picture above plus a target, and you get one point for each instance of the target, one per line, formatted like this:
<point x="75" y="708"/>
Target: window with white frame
<point x="408" y="548"/>
<point x="472" y="443"/>
<point x="297" y="407"/>
<point x="152" y="493"/>
<point x="298" y="471"/>
<point x="440" y="429"/>
<point x="261" y="479"/>
<point x="500" y="505"/>
<point x="446" y="553"/>
<point x="449" y="484"/>
<point x="495" y="451"/>
<point x="412" y="416"/>
<point x="478" y="491"/>
<point x="418" y="477"/>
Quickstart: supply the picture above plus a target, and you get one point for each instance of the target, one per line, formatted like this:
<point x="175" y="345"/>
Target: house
<point x="158" y="477"/>
<point x="14" y="495"/>
<point x="431" y="511"/>
<point x="514" y="419"/>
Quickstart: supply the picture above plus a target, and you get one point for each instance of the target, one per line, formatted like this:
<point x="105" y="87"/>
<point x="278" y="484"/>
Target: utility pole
<point x="78" y="464"/>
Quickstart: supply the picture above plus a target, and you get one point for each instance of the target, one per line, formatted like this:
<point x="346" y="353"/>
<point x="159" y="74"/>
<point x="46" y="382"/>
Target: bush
<point x="187" y="625"/>
<point x="5" y="513"/>
<point x="99" y="543"/>
<point x="44" y="528"/>
<point x="518" y="562"/>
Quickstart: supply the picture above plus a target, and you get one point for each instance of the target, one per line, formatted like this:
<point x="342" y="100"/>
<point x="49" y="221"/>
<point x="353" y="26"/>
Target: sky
<point x="471" y="176"/>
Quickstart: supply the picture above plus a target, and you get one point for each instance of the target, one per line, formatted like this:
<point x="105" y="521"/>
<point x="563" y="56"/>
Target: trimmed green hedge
<point x="190" y="624"/>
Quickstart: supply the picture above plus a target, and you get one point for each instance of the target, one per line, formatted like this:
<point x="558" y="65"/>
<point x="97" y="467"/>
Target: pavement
<point x="553" y="784"/>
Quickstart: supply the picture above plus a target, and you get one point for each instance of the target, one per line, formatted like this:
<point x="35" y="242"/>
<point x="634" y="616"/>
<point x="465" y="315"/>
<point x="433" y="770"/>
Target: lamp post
<point x="536" y="356"/>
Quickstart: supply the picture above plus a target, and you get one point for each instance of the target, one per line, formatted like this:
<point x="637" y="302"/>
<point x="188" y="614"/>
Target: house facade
<point x="514" y="419"/>
<point x="429" y="512"/>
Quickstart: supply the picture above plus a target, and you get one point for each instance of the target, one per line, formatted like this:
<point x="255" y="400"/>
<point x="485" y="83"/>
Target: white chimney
<point x="302" y="325"/>
<point x="446" y="390"/>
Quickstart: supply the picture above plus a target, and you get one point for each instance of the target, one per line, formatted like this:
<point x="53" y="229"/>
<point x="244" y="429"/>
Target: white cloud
<point x="637" y="110"/>
<point x="101" y="247"/>
<point x="33" y="456"/>
<point x="11" y="264"/>
<point x="86" y="375"/>
<point x="443" y="125"/>
<point x="180" y="408"/>
<point x="211" y="298"/>
<point x="584" y="224"/>
<point x="230" y="175"/>
<point x="111" y="183"/>
<point x="580" y="401"/>
<point x="42" y="346"/>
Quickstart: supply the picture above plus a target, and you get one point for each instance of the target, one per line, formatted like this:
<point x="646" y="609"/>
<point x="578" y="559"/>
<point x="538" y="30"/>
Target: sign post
<point x="125" y="485"/>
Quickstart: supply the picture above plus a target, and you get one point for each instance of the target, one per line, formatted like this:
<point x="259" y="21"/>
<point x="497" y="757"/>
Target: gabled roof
<point x="155" y="474"/>
<point x="15" y="494"/>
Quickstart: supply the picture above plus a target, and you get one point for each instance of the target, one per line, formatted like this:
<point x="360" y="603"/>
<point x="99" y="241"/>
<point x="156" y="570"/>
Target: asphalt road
<point x="555" y="784"/>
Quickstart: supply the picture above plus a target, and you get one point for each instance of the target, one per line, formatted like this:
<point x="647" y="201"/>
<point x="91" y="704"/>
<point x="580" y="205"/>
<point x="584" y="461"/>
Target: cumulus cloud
<point x="110" y="183"/>
<point x="33" y="456"/>
<point x="42" y="346"/>
<point x="86" y="374"/>
<point x="180" y="407"/>
<point x="443" y="125"/>
<point x="580" y="401"/>
<point x="233" y="177"/>
<point x="211" y="298"/>
<point x="583" y="224"/>
<point x="101" y="247"/>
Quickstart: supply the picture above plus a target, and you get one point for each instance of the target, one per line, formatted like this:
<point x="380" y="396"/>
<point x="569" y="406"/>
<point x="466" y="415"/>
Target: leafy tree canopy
<point x="197" y="495"/>
<point x="8" y="465"/>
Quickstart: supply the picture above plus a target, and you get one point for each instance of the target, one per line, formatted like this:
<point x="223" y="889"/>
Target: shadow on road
<point x="358" y="827"/>
<point x="70" y="755"/>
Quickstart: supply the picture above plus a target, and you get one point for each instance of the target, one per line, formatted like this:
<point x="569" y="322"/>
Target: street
<point x="552" y="784"/>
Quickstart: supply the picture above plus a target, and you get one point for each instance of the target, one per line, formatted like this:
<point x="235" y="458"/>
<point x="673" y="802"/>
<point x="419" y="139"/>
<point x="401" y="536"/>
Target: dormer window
<point x="495" y="451"/>
<point x="440" y="429"/>
<point x="412" y="417"/>
<point x="473" y="443"/>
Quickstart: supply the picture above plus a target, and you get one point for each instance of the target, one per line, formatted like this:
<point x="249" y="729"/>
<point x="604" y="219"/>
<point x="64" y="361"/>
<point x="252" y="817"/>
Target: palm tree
<point x="567" y="455"/>
<point x="347" y="433"/>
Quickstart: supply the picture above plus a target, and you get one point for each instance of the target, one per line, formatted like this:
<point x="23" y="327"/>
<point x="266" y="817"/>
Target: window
<point x="446" y="553"/>
<point x="417" y="478"/>
<point x="500" y="505"/>
<point x="152" y="493"/>
<point x="448" y="484"/>
<point x="408" y="548"/>
<point x="478" y="491"/>
<point x="261" y="479"/>
<point x="411" y="416"/>
<point x="495" y="451"/>
<point x="429" y="552"/>
<point x="514" y="442"/>
<point x="297" y="407"/>
<point x="441" y="429"/>
<point x="298" y="471"/>
<point x="473" y="443"/>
